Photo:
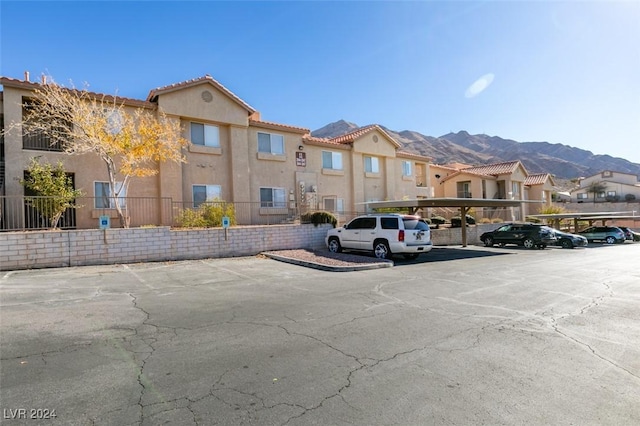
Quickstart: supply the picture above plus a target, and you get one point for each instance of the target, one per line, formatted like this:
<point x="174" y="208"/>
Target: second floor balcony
<point x="40" y="141"/>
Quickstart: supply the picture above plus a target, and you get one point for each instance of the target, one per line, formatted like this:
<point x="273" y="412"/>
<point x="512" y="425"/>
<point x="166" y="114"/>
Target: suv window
<point x="363" y="223"/>
<point x="389" y="222"/>
<point x="417" y="224"/>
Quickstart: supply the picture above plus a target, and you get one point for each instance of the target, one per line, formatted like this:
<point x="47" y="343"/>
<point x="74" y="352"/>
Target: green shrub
<point x="484" y="220"/>
<point x="207" y="215"/>
<point x="402" y="210"/>
<point x="496" y="220"/>
<point x="438" y="220"/>
<point x="456" y="221"/>
<point x="552" y="210"/>
<point x="319" y="217"/>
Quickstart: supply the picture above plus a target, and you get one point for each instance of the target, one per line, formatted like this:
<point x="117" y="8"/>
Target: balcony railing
<point x="40" y="141"/>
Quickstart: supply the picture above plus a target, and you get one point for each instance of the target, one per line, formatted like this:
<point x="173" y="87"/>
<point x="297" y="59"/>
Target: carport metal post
<point x="463" y="223"/>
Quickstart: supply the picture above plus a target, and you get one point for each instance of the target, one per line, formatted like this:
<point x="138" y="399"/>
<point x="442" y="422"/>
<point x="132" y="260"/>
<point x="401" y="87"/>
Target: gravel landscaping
<point x="324" y="259"/>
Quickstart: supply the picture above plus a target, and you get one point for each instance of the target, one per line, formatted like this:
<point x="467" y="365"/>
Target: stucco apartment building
<point x="506" y="180"/>
<point x="270" y="170"/>
<point x="616" y="186"/>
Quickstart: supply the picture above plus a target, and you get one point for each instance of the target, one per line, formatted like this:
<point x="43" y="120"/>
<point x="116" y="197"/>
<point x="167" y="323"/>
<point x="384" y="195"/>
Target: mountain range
<point x="562" y="161"/>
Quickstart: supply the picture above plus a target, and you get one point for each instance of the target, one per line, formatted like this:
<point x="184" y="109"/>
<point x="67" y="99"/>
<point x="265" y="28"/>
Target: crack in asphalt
<point x="596" y="301"/>
<point x="143" y="360"/>
<point x="65" y="349"/>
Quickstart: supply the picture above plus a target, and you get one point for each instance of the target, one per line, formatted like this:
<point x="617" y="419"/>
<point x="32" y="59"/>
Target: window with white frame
<point x="371" y="165"/>
<point x="611" y="193"/>
<point x="406" y="168"/>
<point x="273" y="197"/>
<point x="582" y="196"/>
<point x="515" y="188"/>
<point x="103" y="197"/>
<point x="331" y="160"/>
<point x="271" y="143"/>
<point x="205" y="134"/>
<point x="205" y="193"/>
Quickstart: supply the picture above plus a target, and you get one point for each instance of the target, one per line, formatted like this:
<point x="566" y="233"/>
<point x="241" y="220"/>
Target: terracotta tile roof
<point x="495" y="169"/>
<point x="537" y="179"/>
<point x="447" y="167"/>
<point x="271" y="125"/>
<point x="352" y="136"/>
<point x="30" y="85"/>
<point x="457" y="166"/>
<point x="405" y="154"/>
<point x="153" y="94"/>
<point x="311" y="140"/>
<point x="465" y="172"/>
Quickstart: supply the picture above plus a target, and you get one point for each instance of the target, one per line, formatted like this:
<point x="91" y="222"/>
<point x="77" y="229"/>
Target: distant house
<point x="616" y="186"/>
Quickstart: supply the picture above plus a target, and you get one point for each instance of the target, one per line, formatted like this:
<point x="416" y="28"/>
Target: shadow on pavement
<point x="442" y="254"/>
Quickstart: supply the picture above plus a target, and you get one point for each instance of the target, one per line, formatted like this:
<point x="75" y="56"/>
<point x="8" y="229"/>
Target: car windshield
<point x="417" y="224"/>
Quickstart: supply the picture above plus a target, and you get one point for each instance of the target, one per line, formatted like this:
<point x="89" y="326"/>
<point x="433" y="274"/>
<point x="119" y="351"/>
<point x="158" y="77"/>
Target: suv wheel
<point x="381" y="250"/>
<point x="488" y="242"/>
<point x="529" y="243"/>
<point x="610" y="240"/>
<point x="334" y="245"/>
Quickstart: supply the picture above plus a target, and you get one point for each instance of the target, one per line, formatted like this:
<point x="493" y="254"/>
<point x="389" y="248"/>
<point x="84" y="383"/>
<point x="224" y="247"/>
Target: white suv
<point x="384" y="234"/>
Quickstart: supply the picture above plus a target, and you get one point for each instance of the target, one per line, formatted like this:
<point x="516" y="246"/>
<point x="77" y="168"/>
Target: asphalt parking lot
<point x="460" y="336"/>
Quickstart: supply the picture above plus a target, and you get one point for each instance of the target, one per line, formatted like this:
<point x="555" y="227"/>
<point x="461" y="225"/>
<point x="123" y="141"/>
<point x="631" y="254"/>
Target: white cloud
<point x="479" y="86"/>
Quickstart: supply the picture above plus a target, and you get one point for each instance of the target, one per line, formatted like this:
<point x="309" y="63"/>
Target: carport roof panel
<point x="587" y="215"/>
<point x="447" y="202"/>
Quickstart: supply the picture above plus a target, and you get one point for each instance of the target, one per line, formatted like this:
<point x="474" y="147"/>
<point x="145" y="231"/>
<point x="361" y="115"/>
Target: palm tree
<point x="596" y="187"/>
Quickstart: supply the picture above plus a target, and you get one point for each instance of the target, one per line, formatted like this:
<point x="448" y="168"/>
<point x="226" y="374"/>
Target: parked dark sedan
<point x="529" y="235"/>
<point x="630" y="234"/>
<point x="568" y="240"/>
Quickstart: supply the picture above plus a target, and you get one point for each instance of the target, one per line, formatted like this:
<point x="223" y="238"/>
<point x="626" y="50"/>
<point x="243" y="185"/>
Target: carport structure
<point x="590" y="217"/>
<point x="464" y="204"/>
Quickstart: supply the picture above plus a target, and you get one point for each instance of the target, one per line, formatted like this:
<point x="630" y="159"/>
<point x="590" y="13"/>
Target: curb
<point x="330" y="268"/>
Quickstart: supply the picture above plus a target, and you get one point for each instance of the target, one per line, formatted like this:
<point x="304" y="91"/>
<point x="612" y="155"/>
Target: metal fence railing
<point x="244" y="213"/>
<point x="19" y="213"/>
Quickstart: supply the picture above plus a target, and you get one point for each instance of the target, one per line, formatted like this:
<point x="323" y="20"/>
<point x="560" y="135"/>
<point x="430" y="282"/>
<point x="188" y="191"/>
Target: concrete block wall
<point x="47" y="249"/>
<point x="453" y="236"/>
<point x="44" y="249"/>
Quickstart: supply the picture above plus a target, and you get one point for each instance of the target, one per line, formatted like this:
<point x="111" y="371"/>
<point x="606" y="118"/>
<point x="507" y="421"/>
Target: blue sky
<point x="561" y="72"/>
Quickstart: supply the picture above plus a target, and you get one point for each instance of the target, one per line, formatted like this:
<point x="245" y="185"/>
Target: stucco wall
<point x="25" y="250"/>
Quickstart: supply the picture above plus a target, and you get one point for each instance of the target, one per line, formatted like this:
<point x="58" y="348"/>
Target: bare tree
<point x="130" y="141"/>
